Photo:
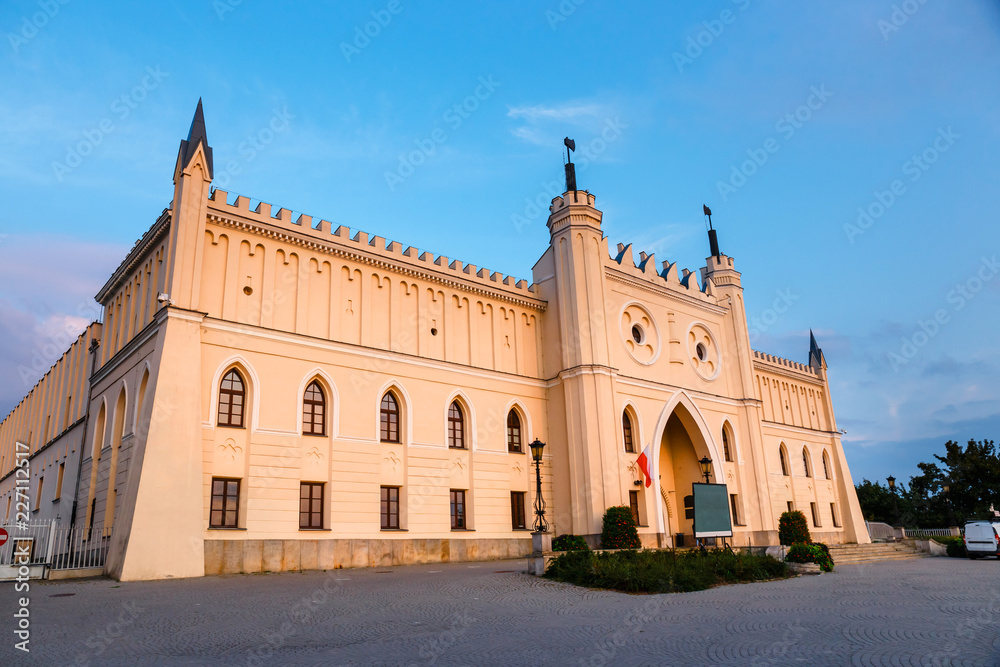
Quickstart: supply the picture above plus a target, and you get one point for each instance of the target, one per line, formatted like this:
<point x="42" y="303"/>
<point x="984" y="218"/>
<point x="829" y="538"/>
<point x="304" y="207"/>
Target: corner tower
<point x="571" y="277"/>
<point x="193" y="173"/>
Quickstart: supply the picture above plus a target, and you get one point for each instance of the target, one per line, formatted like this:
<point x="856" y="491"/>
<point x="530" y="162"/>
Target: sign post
<point x="711" y="511"/>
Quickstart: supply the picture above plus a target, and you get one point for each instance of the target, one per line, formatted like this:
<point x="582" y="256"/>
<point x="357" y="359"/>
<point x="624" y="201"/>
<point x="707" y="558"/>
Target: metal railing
<point x="57" y="547"/>
<point x="929" y="532"/>
<point x="883" y="531"/>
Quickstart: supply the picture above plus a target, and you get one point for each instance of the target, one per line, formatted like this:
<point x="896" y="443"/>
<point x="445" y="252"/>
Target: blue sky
<point x="785" y="118"/>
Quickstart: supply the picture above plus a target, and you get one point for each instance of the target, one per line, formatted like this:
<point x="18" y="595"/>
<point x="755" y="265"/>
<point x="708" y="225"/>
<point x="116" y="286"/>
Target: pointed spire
<point x="196" y="135"/>
<point x="197" y="131"/>
<point x="816" y="358"/>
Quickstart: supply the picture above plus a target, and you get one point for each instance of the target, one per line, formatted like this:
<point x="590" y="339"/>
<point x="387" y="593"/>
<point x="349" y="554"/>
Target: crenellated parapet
<point x="665" y="276"/>
<point x="770" y="362"/>
<point x="321" y="236"/>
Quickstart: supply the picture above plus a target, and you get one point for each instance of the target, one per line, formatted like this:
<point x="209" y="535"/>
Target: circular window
<point x="703" y="351"/>
<point x="639" y="334"/>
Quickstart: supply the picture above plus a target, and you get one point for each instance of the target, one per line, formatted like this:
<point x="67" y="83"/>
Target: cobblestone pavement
<point x="925" y="611"/>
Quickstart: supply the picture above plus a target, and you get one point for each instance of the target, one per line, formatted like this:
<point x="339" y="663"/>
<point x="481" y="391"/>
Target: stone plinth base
<point x="805" y="568"/>
<point x="249" y="556"/>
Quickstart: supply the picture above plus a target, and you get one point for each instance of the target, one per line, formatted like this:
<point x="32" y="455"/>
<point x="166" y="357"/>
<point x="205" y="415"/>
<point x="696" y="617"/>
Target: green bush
<point x="955" y="545"/>
<point x="810" y="553"/>
<point x="793" y="529"/>
<point x="570" y="543"/>
<point x="650" y="571"/>
<point x="619" y="531"/>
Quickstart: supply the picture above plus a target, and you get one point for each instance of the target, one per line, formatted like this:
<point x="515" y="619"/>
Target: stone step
<point x="852" y="554"/>
<point x="872" y="559"/>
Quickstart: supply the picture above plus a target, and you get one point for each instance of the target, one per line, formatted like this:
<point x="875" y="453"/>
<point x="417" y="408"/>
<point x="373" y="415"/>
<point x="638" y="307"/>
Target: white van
<point x="982" y="538"/>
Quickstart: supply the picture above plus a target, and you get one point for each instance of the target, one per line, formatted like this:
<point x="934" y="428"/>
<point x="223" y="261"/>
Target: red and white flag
<point x="644" y="462"/>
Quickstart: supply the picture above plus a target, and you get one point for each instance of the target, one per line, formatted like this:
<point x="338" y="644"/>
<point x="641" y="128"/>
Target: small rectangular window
<point x="310" y="505"/>
<point x="833" y="511"/>
<point x="815" y="513"/>
<point x="38" y="495"/>
<point x="633" y="501"/>
<point x="225" y="503"/>
<point x="517" y="510"/>
<point x="390" y="507"/>
<point x="791" y="508"/>
<point x="59" y="482"/>
<point x="457" y="509"/>
<point x="734" y="505"/>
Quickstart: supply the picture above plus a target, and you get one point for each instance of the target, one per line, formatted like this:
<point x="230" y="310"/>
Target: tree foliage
<point x="793" y="528"/>
<point x="619" y="531"/>
<point x="971" y="473"/>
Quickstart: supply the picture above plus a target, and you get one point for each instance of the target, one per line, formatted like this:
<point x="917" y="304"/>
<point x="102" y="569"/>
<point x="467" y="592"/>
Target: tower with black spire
<point x="193" y="174"/>
<point x="816" y="357"/>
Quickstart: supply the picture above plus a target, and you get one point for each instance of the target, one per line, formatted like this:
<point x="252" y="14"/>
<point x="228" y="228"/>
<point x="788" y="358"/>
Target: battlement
<point x="373" y="248"/>
<point x="769" y="359"/>
<point x="666" y="276"/>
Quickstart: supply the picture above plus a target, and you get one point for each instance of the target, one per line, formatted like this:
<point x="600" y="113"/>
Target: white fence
<point x="884" y="532"/>
<point x="930" y="532"/>
<point x="54" y="547"/>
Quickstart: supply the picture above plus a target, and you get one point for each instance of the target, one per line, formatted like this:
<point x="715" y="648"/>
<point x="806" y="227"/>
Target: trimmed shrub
<point x="570" y="543"/>
<point x="650" y="571"/>
<point x="793" y="529"/>
<point x="955" y="545"/>
<point x="810" y="553"/>
<point x="619" y="531"/>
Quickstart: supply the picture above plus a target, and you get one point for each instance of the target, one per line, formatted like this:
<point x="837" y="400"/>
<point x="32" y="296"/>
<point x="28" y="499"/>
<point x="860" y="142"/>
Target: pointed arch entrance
<point x="682" y="439"/>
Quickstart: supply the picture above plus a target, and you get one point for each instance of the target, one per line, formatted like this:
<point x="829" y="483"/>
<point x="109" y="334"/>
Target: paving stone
<point x="912" y="612"/>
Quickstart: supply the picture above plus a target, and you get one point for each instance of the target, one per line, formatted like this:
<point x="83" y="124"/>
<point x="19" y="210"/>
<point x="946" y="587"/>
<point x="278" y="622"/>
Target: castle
<point x="269" y="394"/>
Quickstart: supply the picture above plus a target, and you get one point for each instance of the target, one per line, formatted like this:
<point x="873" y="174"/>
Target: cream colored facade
<point x="215" y="286"/>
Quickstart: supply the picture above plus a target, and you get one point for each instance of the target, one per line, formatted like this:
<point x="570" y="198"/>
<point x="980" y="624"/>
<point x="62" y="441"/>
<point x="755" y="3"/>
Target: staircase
<point x="847" y="554"/>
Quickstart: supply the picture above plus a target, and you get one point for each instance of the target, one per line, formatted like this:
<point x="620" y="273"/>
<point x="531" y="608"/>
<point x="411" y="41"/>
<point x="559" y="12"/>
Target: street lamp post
<point x="706" y="468"/>
<point x="892" y="488"/>
<point x="540" y="525"/>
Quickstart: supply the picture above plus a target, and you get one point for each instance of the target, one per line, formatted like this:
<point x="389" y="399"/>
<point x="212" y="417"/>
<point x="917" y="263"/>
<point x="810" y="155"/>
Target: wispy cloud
<point x="563" y="113"/>
<point x="45" y="305"/>
<point x="546" y="124"/>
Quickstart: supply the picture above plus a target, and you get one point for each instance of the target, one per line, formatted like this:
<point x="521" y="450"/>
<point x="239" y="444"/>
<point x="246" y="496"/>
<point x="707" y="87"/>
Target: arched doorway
<point x="684" y="439"/>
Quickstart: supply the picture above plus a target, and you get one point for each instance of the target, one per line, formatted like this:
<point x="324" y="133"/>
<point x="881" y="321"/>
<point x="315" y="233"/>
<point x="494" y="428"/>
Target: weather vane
<point x="713" y="239"/>
<point x="570" y="167"/>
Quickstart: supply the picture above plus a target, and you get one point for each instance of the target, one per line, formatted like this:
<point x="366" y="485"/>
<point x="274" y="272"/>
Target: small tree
<point x="619" y="531"/>
<point x="793" y="529"/>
